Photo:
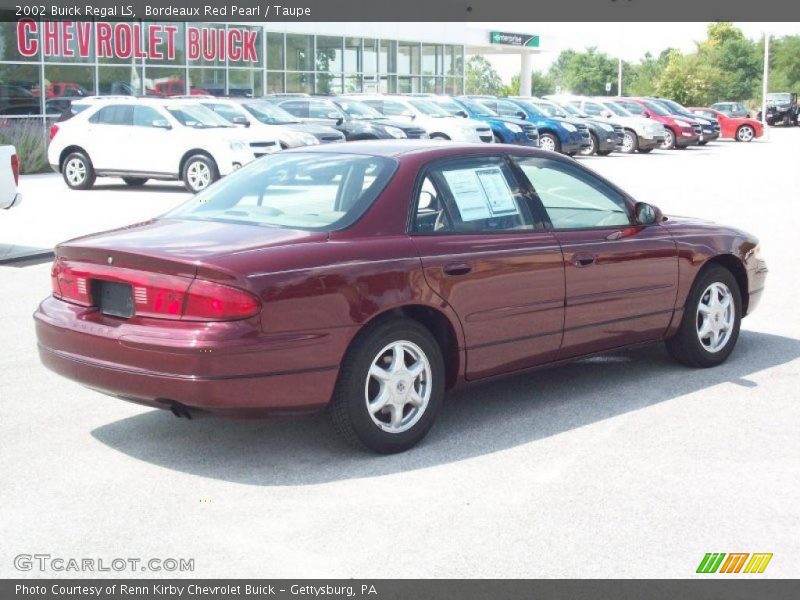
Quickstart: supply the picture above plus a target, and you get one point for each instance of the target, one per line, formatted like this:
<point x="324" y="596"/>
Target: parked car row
<point x="199" y="138"/>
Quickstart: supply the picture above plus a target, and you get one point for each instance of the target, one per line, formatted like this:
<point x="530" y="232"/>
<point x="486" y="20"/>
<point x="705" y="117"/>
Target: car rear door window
<point x="392" y="108"/>
<point x="474" y="195"/>
<point x="116" y="114"/>
<point x="321" y="110"/>
<point x="573" y="198"/>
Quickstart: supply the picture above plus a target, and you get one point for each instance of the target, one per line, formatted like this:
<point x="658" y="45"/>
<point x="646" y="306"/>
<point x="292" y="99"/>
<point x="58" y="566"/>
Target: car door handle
<point x="455" y="269"/>
<point x="583" y="260"/>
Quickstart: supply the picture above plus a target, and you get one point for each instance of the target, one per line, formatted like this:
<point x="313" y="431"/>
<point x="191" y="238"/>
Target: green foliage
<point x="725" y="66"/>
<point x="27" y="137"/>
<point x="481" y="78"/>
<point x="583" y="72"/>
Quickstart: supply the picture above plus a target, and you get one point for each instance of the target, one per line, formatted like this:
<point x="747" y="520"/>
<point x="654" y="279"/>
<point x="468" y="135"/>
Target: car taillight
<point x="157" y="296"/>
<point x="15" y="168"/>
<point x="53" y="131"/>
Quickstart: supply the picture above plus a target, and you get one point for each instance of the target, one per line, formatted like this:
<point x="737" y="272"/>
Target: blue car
<point x="555" y="134"/>
<point x="506" y="130"/>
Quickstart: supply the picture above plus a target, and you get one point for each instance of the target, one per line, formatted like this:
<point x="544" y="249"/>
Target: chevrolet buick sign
<point x="514" y="39"/>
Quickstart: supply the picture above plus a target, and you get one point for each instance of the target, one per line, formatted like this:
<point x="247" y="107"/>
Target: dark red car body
<point x="729" y="126"/>
<point x="528" y="298"/>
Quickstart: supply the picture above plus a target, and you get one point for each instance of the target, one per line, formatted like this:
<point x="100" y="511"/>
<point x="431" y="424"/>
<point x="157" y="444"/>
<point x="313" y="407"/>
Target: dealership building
<point x="41" y="62"/>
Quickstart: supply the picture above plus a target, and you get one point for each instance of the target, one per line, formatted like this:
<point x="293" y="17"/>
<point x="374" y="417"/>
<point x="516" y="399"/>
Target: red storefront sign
<point x="73" y="39"/>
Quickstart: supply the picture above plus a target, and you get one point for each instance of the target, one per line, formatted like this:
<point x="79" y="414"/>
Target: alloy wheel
<point x="75" y="170"/>
<point x="627" y="142"/>
<point x="669" y="140"/>
<point x="715" y="318"/>
<point x="547" y="143"/>
<point x="591" y="149"/>
<point x="745" y="133"/>
<point x="398" y="386"/>
<point x="199" y="175"/>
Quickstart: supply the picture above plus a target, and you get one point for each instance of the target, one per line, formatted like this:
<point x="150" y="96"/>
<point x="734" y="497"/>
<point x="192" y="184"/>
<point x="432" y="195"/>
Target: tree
<point x="688" y="80"/>
<point x="583" y="72"/>
<point x="481" y="78"/>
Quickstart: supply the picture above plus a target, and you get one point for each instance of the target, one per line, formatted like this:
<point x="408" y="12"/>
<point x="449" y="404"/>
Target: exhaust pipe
<point x="180" y="410"/>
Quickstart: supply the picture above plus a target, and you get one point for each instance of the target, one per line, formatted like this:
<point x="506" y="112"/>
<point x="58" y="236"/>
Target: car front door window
<point x="572" y="198"/>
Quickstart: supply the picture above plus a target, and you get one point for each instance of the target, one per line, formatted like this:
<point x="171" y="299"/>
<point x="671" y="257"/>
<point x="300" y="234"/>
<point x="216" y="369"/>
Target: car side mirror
<point x="647" y="214"/>
<point x="606" y="114"/>
<point x="646" y="114"/>
<point x="521" y="115"/>
<point x="241" y="120"/>
<point x="462" y="113"/>
<point x="339" y="121"/>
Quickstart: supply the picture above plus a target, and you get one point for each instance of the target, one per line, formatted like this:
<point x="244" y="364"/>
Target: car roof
<point x="436" y="148"/>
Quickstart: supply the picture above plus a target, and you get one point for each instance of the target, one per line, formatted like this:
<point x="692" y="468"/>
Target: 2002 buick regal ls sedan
<point x="371" y="277"/>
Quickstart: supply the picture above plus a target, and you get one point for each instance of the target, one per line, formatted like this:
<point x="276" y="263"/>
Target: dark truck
<point x="781" y="108"/>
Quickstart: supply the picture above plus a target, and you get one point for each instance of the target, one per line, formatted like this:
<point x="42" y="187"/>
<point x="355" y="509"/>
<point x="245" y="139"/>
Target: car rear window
<point x="295" y="190"/>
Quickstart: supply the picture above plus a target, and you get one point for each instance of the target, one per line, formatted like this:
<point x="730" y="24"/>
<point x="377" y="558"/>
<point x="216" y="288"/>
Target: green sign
<point x="514" y="39"/>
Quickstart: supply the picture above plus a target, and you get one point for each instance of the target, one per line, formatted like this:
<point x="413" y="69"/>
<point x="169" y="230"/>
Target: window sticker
<point x="468" y="194"/>
<point x="501" y="200"/>
<point x="481" y="193"/>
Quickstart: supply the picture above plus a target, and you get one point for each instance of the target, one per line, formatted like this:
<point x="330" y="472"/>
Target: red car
<point x="737" y="128"/>
<point x="371" y="277"/>
<point x="679" y="133"/>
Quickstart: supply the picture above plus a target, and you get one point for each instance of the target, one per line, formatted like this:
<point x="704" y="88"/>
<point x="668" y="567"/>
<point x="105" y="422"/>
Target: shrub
<point x="28" y="137"/>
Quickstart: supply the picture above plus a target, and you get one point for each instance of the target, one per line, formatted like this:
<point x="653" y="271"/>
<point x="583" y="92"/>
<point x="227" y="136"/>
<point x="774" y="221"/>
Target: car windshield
<point x="478" y="109"/>
<point x="451" y="106"/>
<point x="551" y="110"/>
<point x="675" y="107"/>
<point x="633" y="107"/>
<point x="302" y="190"/>
<point x="574" y="110"/>
<point x="359" y="110"/>
<point x="429" y="108"/>
<point x="199" y="117"/>
<point x="269" y="114"/>
<point x="529" y="106"/>
<point x="657" y="108"/>
<point x="617" y="109"/>
<point x="780" y="97"/>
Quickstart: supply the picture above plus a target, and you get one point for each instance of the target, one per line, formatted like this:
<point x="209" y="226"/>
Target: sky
<point x="628" y="40"/>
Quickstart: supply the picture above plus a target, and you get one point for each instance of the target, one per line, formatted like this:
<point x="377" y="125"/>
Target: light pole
<point x="765" y="87"/>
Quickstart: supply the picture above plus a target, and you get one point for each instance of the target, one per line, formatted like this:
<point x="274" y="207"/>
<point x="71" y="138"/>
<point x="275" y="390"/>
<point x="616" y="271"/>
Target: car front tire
<point x="78" y="171"/>
<point x="669" y="139"/>
<point x="390" y="387"/>
<point x="199" y="171"/>
<point x="745" y="133"/>
<point x="711" y="320"/>
<point x="630" y="143"/>
<point x="548" y="141"/>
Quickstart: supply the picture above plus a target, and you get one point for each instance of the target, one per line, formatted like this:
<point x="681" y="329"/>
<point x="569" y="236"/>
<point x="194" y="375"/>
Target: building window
<point x="245" y="83"/>
<point x="68" y="80"/>
<point x="328" y="83"/>
<point x="275" y="51"/>
<point x="275" y="83"/>
<point x="207" y="81"/>
<point x="370" y="56"/>
<point x="299" y="52"/>
<point x="165" y="81"/>
<point x="329" y="54"/>
<point x="352" y="55"/>
<point x="300" y="82"/>
<point x="407" y="58"/>
<point x="20" y="90"/>
<point x="123" y="81"/>
<point x="207" y="44"/>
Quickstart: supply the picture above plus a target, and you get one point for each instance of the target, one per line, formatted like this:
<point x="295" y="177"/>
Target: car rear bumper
<point x="226" y="367"/>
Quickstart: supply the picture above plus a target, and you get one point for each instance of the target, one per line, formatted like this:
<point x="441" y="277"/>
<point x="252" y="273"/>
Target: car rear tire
<point x="439" y="136"/>
<point x="592" y="149"/>
<point x="78" y="171"/>
<point x="630" y="142"/>
<point x="548" y="141"/>
<point x="711" y="320"/>
<point x="669" y="139"/>
<point x="135" y="181"/>
<point x="390" y="387"/>
<point x="745" y="133"/>
<point x="199" y="171"/>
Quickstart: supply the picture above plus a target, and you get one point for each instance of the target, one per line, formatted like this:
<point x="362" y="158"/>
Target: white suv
<point x="140" y="139"/>
<point x="436" y="121"/>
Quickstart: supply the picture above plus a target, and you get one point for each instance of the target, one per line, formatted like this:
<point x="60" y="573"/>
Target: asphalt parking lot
<point x="623" y="466"/>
